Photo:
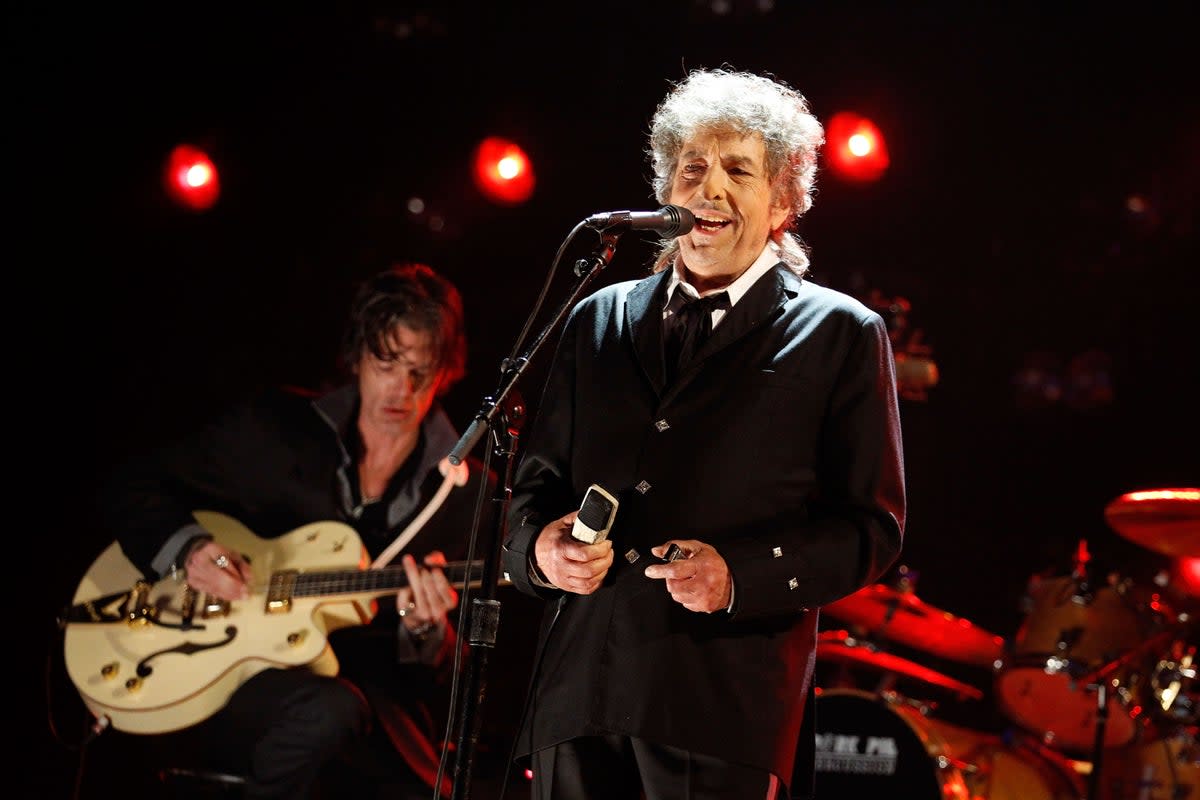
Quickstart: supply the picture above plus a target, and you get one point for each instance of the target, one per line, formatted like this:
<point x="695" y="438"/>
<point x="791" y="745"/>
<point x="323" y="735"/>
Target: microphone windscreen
<point x="684" y="221"/>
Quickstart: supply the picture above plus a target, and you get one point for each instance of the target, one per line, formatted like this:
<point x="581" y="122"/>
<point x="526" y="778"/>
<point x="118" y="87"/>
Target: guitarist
<point x="366" y="453"/>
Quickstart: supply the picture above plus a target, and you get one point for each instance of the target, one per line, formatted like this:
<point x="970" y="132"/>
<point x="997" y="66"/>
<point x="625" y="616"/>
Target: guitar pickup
<point x="280" y="589"/>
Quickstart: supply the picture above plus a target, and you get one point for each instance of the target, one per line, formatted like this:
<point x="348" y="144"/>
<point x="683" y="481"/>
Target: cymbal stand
<point x="1099" y="679"/>
<point x="1093" y="791"/>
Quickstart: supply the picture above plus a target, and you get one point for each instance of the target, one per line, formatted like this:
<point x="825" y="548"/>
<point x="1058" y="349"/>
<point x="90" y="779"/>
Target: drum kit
<point x="1097" y="687"/>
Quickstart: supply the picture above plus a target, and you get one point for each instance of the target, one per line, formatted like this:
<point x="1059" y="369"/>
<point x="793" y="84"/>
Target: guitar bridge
<point x="139" y="612"/>
<point x="279" y="592"/>
<point x="214" y="607"/>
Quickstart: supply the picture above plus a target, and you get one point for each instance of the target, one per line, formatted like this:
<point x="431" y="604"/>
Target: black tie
<point x="689" y="327"/>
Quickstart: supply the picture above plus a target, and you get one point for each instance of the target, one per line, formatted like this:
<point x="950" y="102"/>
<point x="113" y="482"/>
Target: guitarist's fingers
<point x="234" y="576"/>
<point x="442" y="595"/>
<point x="433" y="595"/>
<point x="441" y="591"/>
<point x="215" y="570"/>
<point x="425" y="609"/>
<point x="245" y="570"/>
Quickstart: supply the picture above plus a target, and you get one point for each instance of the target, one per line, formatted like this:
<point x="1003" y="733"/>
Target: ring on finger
<point x="222" y="561"/>
<point x="406" y="610"/>
<point x="424" y="629"/>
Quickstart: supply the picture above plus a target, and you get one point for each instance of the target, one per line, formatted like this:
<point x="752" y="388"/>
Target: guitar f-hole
<point x="187" y="648"/>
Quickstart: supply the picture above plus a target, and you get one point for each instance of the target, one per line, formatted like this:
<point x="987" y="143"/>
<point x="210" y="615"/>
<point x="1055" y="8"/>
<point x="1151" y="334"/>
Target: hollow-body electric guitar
<point x="157" y="657"/>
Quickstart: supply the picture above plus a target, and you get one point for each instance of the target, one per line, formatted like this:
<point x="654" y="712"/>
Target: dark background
<point x="1060" y="314"/>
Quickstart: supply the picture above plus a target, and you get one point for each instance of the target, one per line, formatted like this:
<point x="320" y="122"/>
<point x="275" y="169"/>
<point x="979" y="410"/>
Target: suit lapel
<point x="643" y="313"/>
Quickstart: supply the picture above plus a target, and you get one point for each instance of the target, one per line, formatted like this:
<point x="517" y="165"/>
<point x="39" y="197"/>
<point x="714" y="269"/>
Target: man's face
<point x="398" y="393"/>
<point x="722" y="179"/>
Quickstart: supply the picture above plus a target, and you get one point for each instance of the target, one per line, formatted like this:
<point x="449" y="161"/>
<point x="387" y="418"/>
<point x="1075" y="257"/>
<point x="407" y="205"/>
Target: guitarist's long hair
<point x="415" y="295"/>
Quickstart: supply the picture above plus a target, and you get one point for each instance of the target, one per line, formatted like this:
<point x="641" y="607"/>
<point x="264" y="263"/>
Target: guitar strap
<point x="452" y="475"/>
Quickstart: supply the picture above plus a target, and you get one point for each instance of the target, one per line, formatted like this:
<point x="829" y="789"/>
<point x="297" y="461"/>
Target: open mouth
<point x="710" y="225"/>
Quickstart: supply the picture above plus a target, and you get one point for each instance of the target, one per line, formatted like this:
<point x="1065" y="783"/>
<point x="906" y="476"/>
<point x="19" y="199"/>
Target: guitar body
<point x="148" y="673"/>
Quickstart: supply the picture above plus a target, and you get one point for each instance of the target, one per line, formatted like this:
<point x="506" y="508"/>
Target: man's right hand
<point x="568" y="563"/>
<point x="214" y="569"/>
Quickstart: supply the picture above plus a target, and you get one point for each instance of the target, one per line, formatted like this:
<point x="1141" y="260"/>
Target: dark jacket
<point x="780" y="446"/>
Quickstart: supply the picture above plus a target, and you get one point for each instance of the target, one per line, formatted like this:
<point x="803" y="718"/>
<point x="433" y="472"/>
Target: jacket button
<point x="777" y="552"/>
<point x="662" y="425"/>
<point x="643" y="487"/>
<point x="793" y="584"/>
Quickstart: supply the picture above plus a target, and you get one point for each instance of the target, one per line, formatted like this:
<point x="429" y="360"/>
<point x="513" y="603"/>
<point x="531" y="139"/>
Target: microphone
<point x="667" y="222"/>
<point x="596" y="515"/>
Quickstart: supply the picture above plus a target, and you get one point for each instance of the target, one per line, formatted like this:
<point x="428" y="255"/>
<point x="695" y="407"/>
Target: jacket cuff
<point x="172" y="558"/>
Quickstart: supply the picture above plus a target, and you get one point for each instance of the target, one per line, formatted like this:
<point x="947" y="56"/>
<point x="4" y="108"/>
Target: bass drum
<point x="872" y="746"/>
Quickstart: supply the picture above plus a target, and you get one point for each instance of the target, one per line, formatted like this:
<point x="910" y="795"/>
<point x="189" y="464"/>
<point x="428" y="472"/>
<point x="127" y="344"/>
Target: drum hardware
<point x="923" y="707"/>
<point x="1098" y="745"/>
<point x="1107" y="672"/>
<point x="916" y="371"/>
<point x="1103" y="680"/>
<point x="1167" y="683"/>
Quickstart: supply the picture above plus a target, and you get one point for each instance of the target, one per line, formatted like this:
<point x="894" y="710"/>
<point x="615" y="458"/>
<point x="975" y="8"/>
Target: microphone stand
<point x="485" y="611"/>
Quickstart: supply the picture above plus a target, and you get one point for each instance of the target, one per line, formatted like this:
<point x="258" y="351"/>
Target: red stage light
<point x="503" y="171"/>
<point x="855" y="148"/>
<point x="1186" y="571"/>
<point x="191" y="178"/>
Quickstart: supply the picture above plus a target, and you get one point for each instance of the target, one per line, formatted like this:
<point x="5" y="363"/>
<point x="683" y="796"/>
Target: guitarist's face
<point x="398" y="392"/>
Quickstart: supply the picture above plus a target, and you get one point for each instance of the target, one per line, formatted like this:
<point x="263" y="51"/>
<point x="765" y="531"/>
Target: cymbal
<point x="890" y="615"/>
<point x="841" y="647"/>
<point x="1166" y="521"/>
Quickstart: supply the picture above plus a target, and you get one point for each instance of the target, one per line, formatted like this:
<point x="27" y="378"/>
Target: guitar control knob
<point x="296" y="639"/>
<point x="133" y="685"/>
<point x="110" y="670"/>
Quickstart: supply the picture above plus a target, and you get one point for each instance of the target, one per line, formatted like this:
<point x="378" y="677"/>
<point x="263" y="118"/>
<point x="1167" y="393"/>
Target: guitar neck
<point x="334" y="582"/>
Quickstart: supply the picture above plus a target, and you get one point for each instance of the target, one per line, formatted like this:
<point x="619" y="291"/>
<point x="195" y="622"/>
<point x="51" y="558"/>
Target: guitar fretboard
<point x="313" y="584"/>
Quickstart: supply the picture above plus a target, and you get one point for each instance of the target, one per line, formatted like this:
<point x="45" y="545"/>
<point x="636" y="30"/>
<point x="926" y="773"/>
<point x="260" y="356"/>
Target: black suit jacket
<point x="780" y="446"/>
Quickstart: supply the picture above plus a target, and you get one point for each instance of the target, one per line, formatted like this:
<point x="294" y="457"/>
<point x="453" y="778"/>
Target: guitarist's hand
<point x="214" y="569"/>
<point x="428" y="598"/>
<point x="568" y="563"/>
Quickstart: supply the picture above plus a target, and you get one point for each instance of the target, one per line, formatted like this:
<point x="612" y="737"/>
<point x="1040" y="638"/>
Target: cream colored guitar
<point x="159" y="657"/>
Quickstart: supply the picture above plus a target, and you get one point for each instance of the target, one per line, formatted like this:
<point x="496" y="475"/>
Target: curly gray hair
<point x="745" y="104"/>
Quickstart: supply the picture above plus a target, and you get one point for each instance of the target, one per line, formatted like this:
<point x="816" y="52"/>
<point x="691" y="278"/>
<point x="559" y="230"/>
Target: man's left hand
<point x="427" y="600"/>
<point x="699" y="581"/>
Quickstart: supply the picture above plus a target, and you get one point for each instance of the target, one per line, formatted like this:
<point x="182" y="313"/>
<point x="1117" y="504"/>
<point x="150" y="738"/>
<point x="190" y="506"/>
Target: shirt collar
<point x="339" y="407"/>
<point x="767" y="259"/>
